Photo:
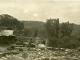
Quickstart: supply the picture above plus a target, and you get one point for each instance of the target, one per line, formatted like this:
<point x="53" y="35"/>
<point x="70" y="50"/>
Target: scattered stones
<point x="44" y="55"/>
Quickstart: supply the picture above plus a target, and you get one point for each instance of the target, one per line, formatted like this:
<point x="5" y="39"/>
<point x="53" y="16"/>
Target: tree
<point x="65" y="35"/>
<point x="52" y="28"/>
<point x="66" y="29"/>
<point x="59" y="35"/>
<point x="10" y="22"/>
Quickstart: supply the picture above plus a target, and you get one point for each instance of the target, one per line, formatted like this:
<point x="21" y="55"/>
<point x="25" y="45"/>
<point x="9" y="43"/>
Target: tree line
<point x="60" y="34"/>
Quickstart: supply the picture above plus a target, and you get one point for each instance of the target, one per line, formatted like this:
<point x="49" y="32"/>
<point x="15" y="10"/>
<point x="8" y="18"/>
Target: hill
<point x="34" y="24"/>
<point x="41" y="26"/>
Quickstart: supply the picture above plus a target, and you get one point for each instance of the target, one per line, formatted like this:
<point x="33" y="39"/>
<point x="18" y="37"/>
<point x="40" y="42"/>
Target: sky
<point x="40" y="10"/>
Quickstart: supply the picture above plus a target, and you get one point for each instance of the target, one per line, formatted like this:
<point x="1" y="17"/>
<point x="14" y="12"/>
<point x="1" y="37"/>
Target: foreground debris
<point x="41" y="54"/>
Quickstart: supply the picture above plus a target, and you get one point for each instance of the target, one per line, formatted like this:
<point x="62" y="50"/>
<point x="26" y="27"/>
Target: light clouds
<point x="42" y="9"/>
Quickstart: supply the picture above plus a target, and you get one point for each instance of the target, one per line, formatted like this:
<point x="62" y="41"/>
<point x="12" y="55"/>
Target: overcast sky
<point x="42" y="9"/>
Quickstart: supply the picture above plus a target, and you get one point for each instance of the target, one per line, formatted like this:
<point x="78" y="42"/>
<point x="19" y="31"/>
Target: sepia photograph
<point x="39" y="29"/>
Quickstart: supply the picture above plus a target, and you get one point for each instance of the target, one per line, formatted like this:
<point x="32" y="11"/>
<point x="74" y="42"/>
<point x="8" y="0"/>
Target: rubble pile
<point x="38" y="54"/>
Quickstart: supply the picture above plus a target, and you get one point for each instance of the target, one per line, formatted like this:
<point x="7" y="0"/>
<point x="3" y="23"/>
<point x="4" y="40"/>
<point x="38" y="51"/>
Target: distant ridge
<point x="41" y="25"/>
<point x="34" y="24"/>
